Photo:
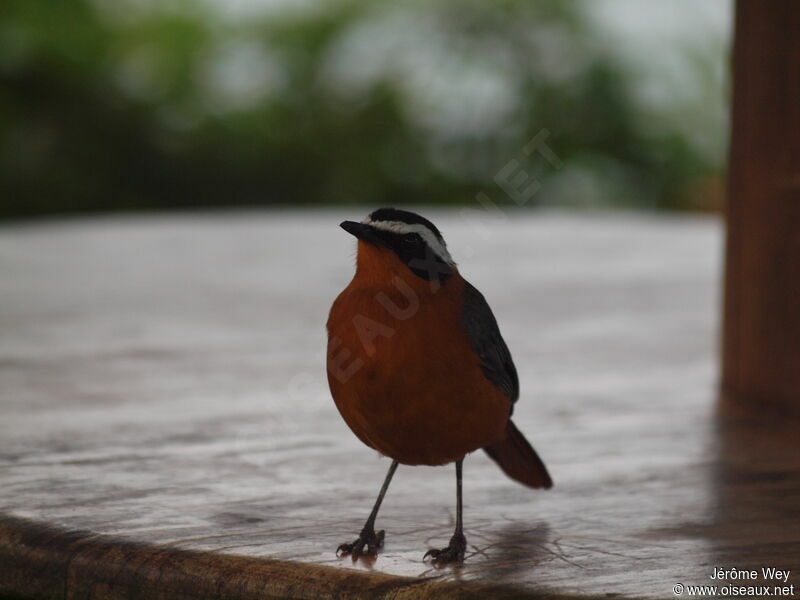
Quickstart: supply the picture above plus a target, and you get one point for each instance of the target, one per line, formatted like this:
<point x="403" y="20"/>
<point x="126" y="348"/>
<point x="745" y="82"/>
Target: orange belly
<point x="408" y="383"/>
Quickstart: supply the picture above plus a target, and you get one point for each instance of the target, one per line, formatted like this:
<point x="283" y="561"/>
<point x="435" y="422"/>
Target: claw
<point x="454" y="553"/>
<point x="373" y="541"/>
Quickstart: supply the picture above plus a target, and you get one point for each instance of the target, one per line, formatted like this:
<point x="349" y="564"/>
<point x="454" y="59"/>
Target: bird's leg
<point x="368" y="541"/>
<point x="454" y="553"/>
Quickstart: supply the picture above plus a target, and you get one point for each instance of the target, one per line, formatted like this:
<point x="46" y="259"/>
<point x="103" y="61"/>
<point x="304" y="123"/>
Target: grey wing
<point x="486" y="341"/>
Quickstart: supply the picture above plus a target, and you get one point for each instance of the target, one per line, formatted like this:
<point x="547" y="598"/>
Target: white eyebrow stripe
<point x="425" y="233"/>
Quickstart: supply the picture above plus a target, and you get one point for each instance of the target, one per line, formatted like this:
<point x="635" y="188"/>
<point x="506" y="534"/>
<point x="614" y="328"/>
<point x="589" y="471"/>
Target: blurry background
<point x="134" y="104"/>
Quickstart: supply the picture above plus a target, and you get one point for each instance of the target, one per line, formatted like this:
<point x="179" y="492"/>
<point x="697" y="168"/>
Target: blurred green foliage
<point x="129" y="104"/>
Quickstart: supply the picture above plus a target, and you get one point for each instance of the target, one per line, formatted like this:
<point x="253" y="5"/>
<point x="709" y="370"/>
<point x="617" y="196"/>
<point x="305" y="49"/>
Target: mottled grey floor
<point x="162" y="379"/>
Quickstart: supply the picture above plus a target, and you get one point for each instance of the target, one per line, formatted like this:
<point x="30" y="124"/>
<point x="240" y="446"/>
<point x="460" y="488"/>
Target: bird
<point x="417" y="367"/>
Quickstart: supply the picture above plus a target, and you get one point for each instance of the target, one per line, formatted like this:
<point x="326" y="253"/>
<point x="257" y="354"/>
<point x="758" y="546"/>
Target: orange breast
<point x="401" y="370"/>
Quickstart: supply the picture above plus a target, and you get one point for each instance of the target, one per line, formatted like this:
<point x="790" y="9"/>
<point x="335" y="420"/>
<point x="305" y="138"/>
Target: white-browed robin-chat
<point x="417" y="366"/>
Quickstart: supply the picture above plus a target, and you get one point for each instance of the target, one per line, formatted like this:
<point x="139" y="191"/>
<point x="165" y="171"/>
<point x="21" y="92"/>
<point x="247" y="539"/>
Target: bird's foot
<point x="454" y="553"/>
<point x="367" y="544"/>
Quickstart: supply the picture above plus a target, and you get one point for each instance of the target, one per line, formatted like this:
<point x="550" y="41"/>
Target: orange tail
<point x="519" y="461"/>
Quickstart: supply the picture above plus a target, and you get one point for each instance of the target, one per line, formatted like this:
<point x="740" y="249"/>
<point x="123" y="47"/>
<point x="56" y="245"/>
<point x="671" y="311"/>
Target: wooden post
<point x="761" y="330"/>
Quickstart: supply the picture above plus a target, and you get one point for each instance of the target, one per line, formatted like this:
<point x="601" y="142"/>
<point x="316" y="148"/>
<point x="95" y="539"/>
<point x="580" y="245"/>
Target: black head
<point x="413" y="238"/>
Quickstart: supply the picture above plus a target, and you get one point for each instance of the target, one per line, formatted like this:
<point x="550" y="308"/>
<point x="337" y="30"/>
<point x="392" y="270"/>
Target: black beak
<point x="361" y="231"/>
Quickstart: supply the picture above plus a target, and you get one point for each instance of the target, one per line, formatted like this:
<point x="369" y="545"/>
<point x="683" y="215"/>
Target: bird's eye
<point x="412" y="239"/>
